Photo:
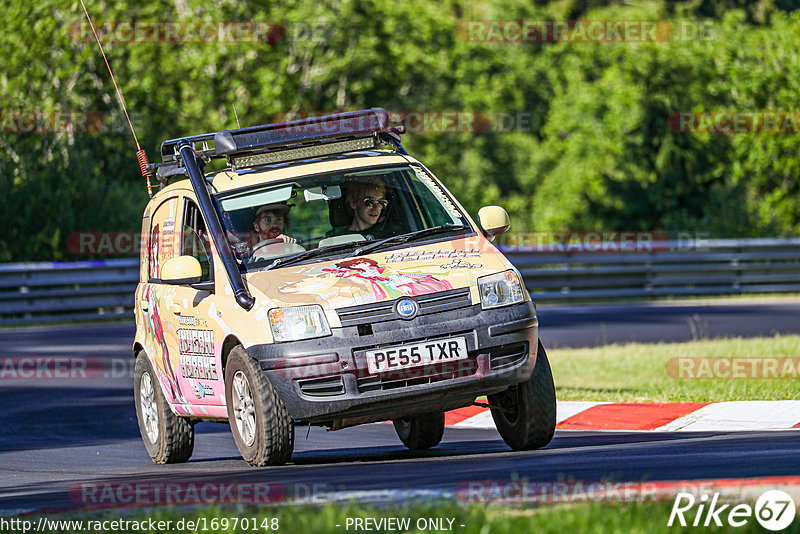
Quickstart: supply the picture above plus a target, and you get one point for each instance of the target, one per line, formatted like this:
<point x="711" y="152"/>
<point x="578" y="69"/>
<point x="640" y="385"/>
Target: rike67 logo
<point x="774" y="510"/>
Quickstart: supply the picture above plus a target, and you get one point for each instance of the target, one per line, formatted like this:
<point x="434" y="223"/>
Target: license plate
<point x="416" y="354"/>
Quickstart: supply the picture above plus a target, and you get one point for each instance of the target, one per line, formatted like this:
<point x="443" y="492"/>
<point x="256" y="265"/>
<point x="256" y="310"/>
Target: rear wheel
<point x="260" y="423"/>
<point x="421" y="431"/>
<point x="525" y="414"/>
<point x="168" y="438"/>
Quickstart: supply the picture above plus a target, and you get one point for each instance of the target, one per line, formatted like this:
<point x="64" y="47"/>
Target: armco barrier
<point x="103" y="289"/>
<point x="61" y="291"/>
<point x="708" y="267"/>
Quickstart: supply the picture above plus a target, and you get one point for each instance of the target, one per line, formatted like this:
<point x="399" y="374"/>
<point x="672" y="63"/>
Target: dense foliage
<point x="594" y="150"/>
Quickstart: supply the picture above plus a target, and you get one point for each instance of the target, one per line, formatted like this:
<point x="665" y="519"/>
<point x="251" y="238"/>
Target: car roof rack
<point x="286" y="141"/>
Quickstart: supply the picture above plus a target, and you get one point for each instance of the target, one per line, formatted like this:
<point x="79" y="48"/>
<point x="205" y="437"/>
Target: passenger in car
<point x="367" y="202"/>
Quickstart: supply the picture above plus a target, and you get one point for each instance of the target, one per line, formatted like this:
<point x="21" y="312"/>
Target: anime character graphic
<point x="296" y="288"/>
<point x="156" y="331"/>
<point x="386" y="283"/>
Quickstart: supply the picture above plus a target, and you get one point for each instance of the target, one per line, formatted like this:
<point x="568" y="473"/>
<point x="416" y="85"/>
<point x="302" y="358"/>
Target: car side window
<point x="195" y="240"/>
<point x="161" y="237"/>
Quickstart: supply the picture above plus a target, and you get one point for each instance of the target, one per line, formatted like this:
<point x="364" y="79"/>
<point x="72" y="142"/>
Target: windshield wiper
<point x="405" y="238"/>
<point x="300" y="256"/>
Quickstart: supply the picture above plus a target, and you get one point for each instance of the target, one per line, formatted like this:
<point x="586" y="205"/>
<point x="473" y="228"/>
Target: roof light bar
<point x="310" y="151"/>
<point x="312" y="129"/>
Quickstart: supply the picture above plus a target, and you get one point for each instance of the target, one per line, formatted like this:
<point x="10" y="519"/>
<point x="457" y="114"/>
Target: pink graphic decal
<point x="156" y="330"/>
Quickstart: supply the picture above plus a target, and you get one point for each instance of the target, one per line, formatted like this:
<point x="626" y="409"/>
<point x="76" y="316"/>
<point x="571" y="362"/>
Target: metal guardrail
<point x="663" y="269"/>
<point x="103" y="289"/>
<point x="67" y="291"/>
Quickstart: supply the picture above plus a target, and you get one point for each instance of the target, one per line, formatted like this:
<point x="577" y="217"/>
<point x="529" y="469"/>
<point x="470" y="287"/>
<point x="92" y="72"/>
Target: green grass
<point x="637" y="372"/>
<point x="633" y="518"/>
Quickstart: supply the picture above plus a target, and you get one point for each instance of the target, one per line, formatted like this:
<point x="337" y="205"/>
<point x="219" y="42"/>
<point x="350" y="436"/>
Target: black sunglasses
<point x="370" y="202"/>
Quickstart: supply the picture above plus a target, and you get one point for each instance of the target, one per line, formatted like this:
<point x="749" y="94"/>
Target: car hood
<point x="386" y="275"/>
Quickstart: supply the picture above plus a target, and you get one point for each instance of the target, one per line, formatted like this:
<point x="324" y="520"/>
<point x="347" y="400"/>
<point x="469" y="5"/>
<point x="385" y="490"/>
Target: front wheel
<point x="168" y="438"/>
<point x="260" y="423"/>
<point x="525" y="414"/>
<point x="421" y="431"/>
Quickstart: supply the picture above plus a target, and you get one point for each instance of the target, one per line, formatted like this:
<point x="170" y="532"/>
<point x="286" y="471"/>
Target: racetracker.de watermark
<point x="106" y="243"/>
<point x="583" y="31"/>
<point x="569" y="241"/>
<point x="49" y="121"/>
<point x="160" y="493"/>
<point x="766" y="367"/>
<point x="735" y="122"/>
<point x="64" y="368"/>
<point x="607" y="241"/>
<point x="131" y="243"/>
<point x="526" y="492"/>
<point x="188" y="32"/>
<point x="419" y="121"/>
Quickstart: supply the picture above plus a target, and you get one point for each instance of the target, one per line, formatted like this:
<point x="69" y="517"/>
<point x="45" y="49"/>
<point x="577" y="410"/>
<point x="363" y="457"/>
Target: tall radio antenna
<point x="237" y="116"/>
<point x="141" y="155"/>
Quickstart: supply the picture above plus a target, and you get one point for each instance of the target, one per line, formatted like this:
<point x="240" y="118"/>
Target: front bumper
<point x="326" y="379"/>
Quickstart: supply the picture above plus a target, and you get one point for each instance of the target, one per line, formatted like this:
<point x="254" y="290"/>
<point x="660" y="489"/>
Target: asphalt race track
<point x="59" y="433"/>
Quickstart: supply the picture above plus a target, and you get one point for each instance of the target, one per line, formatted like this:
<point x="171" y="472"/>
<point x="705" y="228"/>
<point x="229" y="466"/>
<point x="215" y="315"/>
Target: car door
<point x="157" y="296"/>
<point x="191" y="316"/>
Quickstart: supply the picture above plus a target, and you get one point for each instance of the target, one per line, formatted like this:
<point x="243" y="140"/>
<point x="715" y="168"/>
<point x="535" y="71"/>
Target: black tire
<point x="168" y="438"/>
<point x="264" y="434"/>
<point x="525" y="414"/>
<point x="421" y="431"/>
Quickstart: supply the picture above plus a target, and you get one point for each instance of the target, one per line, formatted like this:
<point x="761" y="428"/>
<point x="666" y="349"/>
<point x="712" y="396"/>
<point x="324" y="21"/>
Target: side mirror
<point x="494" y="221"/>
<point x="182" y="270"/>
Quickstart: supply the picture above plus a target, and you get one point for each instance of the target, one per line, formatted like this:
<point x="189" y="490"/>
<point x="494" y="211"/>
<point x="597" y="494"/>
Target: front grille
<point x="506" y="357"/>
<point x="446" y="300"/>
<point x="384" y="311"/>
<point x="326" y="386"/>
<point x="418" y="375"/>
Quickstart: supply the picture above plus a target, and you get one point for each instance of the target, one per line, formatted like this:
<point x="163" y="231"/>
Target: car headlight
<point x="500" y="289"/>
<point x="301" y="322"/>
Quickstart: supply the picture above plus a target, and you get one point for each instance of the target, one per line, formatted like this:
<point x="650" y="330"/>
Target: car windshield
<point x="335" y="213"/>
